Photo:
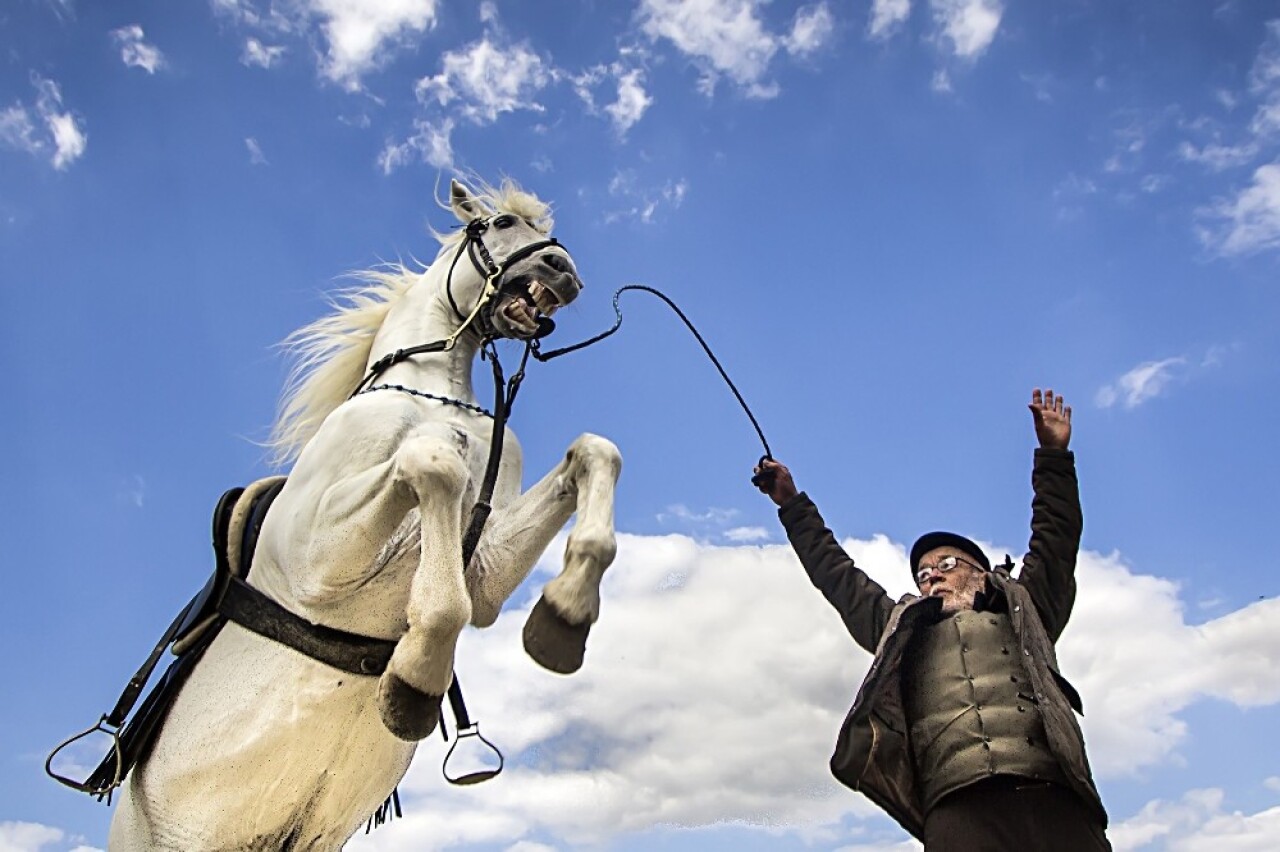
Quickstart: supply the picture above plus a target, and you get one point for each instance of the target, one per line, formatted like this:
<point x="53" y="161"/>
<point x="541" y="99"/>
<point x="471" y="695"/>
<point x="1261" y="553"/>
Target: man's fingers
<point x="1067" y="413"/>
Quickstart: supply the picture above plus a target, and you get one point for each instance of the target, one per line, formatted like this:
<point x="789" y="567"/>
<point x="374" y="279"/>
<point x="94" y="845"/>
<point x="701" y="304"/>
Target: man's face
<point x="956" y="587"/>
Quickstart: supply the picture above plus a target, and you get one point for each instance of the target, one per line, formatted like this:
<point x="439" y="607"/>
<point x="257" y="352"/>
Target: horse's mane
<point x="329" y="355"/>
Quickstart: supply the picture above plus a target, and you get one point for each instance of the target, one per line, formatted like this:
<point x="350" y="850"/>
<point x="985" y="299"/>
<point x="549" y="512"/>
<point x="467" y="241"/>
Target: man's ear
<point x="465" y="205"/>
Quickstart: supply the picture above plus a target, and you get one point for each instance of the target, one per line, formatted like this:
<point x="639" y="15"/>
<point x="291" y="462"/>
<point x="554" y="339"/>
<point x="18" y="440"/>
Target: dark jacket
<point x="872" y="753"/>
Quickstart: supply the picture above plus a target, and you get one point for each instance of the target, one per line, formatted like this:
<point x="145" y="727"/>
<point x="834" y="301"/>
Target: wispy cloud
<point x="745" y="535"/>
<point x="642" y="203"/>
<point x="135" y="52"/>
<point x="626" y="80"/>
<point x="729" y="39"/>
<point x="431" y="143"/>
<point x="887" y="17"/>
<point x="18" y="836"/>
<point x="1145" y="381"/>
<point x="1250" y="221"/>
<point x="967" y="27"/>
<point x="681" y="512"/>
<point x="810" y="30"/>
<point x="62" y="134"/>
<point x="257" y="54"/>
<point x="486" y="79"/>
<point x="256" y="157"/>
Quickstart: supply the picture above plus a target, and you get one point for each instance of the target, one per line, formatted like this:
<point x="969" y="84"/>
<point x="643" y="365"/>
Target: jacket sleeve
<point x="862" y="602"/>
<point x="1049" y="568"/>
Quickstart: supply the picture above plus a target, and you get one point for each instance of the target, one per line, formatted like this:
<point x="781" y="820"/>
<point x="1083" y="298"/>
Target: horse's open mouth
<point x="523" y="302"/>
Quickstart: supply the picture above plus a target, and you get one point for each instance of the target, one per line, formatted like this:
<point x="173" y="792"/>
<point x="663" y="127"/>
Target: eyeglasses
<point x="943" y="566"/>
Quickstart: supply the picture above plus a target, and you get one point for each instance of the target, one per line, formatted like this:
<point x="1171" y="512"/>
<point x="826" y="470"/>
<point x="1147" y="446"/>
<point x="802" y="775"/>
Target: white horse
<point x="267" y="749"/>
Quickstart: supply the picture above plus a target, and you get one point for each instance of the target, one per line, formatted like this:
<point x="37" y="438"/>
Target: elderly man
<point x="963" y="730"/>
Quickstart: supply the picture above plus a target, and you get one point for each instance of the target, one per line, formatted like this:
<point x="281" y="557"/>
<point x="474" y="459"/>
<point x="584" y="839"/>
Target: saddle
<point x="237" y="523"/>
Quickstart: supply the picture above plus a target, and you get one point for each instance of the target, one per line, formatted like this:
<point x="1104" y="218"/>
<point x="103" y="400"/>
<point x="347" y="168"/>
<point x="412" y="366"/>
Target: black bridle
<point x="472" y="243"/>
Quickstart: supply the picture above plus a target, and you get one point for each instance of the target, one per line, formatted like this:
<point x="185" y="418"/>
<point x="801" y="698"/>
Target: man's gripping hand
<point x="776" y="481"/>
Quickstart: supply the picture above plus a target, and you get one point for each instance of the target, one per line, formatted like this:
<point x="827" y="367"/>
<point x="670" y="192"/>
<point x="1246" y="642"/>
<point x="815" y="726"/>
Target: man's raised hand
<point x="1052" y="418"/>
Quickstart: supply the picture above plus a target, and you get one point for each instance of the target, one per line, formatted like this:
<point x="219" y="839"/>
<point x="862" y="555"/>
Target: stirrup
<point x="470" y="777"/>
<point x="92" y="789"/>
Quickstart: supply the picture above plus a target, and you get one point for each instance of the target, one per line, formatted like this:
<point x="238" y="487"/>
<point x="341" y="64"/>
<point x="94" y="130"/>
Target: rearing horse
<point x="267" y="749"/>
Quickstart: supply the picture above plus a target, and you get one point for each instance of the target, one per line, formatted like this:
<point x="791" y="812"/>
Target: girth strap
<point x="350" y="652"/>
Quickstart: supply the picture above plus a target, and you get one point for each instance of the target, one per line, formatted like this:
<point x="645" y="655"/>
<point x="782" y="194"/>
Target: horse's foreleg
<point x="421" y="667"/>
<point x="584" y="481"/>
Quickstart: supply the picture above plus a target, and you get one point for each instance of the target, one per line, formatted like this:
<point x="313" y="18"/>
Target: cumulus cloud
<point x="887" y="17"/>
<point x="261" y="55"/>
<point x="135" y="52"/>
<point x="362" y="33"/>
<point x="1249" y="222"/>
<point x="34" y="837"/>
<point x="717" y="677"/>
<point x="487" y="78"/>
<point x="62" y="137"/>
<point x="1197" y="821"/>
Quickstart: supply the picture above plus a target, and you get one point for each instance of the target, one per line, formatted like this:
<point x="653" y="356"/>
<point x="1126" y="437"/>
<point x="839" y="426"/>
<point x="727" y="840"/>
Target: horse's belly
<point x="265" y="748"/>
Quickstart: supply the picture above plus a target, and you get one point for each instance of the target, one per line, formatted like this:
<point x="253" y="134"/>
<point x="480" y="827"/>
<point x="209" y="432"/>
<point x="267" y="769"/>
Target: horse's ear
<point x="465" y="205"/>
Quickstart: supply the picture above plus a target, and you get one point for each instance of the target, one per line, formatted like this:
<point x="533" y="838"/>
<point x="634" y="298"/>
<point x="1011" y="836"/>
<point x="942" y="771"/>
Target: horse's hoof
<point x="407" y="712"/>
<point x="552" y="641"/>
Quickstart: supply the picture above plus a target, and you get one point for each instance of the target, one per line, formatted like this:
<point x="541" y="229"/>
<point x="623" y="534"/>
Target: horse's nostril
<point x="558" y="263"/>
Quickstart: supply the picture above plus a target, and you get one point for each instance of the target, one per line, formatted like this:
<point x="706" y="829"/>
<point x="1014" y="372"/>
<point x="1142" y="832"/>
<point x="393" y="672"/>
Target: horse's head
<point x="526" y="276"/>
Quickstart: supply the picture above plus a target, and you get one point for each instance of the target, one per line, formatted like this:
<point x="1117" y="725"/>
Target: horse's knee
<point x="431" y="468"/>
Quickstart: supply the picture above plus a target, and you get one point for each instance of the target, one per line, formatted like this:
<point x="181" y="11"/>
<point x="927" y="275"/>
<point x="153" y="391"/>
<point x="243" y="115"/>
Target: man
<point x="963" y="730"/>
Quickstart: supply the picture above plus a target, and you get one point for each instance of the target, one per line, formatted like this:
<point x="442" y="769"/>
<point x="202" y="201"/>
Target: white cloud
<point x="1217" y="157"/>
<point x="487" y="79"/>
<point x="632" y="101"/>
<point x="1197" y="822"/>
<point x="941" y="82"/>
<point x="810" y="30"/>
<point x="62" y="133"/>
<point x="26" y="836"/>
<point x="969" y="26"/>
<point x="1145" y="381"/>
<point x="717" y="678"/>
<point x="887" y="16"/>
<point x="431" y="144"/>
<point x="256" y="157"/>
<point x="134" y="50"/>
<point x="724" y="37"/>
<point x="1250" y="222"/>
<point x="256" y="53"/>
<point x="747" y="535"/>
<point x="362" y="33"/>
<point x="643" y="203"/>
<point x="17" y="129"/>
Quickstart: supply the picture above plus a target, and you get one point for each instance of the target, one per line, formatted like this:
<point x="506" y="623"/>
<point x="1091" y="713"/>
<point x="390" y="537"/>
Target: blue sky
<point x="891" y="220"/>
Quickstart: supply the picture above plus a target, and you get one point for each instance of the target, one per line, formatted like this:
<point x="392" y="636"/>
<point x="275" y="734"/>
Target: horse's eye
<point x="504" y="221"/>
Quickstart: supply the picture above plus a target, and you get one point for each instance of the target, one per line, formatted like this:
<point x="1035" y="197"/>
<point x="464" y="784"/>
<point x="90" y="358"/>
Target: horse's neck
<point x="426" y="317"/>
